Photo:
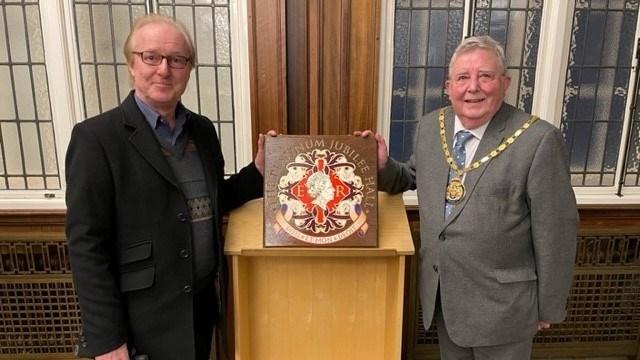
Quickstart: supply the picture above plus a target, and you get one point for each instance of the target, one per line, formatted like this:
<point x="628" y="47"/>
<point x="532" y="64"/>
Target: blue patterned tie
<point x="459" y="156"/>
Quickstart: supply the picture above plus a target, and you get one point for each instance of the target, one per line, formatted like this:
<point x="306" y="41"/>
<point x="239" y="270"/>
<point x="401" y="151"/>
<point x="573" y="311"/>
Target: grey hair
<point x="483" y="42"/>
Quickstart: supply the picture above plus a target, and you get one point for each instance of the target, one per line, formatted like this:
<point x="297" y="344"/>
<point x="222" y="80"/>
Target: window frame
<point x="547" y="99"/>
<point x="66" y="101"/>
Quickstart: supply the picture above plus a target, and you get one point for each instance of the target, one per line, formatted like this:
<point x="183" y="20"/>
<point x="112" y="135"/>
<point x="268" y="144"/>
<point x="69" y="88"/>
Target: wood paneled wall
<point x="267" y="61"/>
<point x="314" y="65"/>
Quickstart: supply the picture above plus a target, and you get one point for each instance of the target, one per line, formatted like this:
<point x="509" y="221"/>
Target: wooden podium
<point x="318" y="303"/>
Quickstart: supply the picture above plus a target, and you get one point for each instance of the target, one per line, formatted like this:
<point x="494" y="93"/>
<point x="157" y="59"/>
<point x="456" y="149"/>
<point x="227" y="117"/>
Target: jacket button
<point x="435" y="268"/>
<point x="182" y="217"/>
<point x="442" y="237"/>
<point x="84" y="344"/>
<point x="186" y="289"/>
<point x="184" y="253"/>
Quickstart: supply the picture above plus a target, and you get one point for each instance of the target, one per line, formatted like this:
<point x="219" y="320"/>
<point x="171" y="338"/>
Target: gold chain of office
<point x="455" y="189"/>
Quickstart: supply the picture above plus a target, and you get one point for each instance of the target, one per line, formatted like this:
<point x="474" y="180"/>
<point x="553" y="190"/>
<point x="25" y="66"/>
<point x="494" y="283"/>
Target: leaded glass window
<point x="426" y="34"/>
<point x="596" y="90"/>
<point x="27" y="143"/>
<point x="62" y="62"/>
<point x="101" y="29"/>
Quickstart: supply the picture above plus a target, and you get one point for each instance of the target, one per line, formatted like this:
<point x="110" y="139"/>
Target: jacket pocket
<point x="137" y="252"/>
<point x="505" y="276"/>
<point x="137" y="270"/>
<point x="499" y="191"/>
<point x="137" y="279"/>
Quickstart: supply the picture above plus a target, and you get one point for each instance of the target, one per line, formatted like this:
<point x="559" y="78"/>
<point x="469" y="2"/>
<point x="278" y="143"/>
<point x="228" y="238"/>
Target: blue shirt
<point x="160" y="125"/>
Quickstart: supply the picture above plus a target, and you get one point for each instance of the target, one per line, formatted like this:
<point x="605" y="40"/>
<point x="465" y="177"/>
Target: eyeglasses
<point x="155" y="59"/>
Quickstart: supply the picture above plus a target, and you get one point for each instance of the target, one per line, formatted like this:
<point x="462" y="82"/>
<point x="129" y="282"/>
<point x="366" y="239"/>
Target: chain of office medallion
<point x="476" y="164"/>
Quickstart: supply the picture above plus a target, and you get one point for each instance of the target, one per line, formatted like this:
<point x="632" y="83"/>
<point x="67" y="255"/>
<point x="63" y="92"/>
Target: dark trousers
<point x="205" y="315"/>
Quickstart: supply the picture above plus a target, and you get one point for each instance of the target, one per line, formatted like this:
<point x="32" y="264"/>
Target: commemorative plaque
<point x="320" y="191"/>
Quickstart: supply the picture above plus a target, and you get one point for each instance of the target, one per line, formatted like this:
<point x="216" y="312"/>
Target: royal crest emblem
<point x="324" y="193"/>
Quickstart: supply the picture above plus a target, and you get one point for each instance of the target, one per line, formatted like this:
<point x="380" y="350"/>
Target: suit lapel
<point x="143" y="139"/>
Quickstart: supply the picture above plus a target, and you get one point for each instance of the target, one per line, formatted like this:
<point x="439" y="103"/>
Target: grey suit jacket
<point x="504" y="257"/>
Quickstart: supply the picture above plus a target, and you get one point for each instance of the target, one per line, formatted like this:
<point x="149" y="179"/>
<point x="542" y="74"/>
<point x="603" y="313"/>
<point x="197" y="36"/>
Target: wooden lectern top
<point x="244" y="235"/>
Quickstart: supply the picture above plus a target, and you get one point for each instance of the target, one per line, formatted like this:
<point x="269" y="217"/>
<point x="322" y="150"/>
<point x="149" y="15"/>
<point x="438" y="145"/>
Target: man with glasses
<point x="145" y="198"/>
<point x="498" y="217"/>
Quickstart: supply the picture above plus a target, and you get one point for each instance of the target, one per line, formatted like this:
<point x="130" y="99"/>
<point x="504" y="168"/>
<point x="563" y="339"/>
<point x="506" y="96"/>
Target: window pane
<point x="222" y="40"/>
<point x="108" y="82"/>
<point x="226" y="131"/>
<point x="102" y="30"/>
<point x="203" y="38"/>
<point x="17" y="37"/>
<point x="30" y="149"/>
<point x="11" y="149"/>
<point x="596" y="90"/>
<point x="7" y="100"/>
<point x="27" y="143"/>
<point x="208" y="94"/>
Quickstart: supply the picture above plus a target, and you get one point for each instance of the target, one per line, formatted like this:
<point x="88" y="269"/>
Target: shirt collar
<point x="477" y="132"/>
<point x="153" y="118"/>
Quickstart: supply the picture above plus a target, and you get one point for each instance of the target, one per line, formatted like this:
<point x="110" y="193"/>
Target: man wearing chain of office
<point x="498" y="216"/>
